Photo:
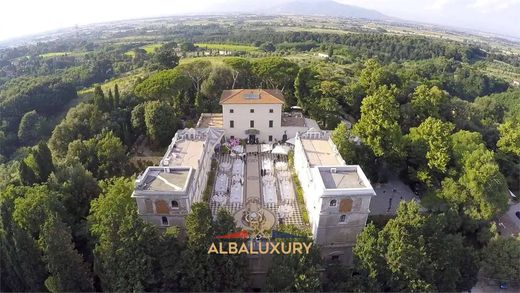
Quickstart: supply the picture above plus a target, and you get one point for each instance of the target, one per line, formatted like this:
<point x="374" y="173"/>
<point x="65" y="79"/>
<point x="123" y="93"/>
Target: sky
<point x="23" y="17"/>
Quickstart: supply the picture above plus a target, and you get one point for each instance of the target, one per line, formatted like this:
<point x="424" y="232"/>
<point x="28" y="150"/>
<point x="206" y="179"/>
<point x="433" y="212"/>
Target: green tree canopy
<point x="409" y="254"/>
<point x="161" y="122"/>
<point x="509" y="141"/>
<point x="30" y="128"/>
<point x="82" y="122"/>
<point x="125" y="247"/>
<point x="501" y="259"/>
<point x="378" y="126"/>
<point x="68" y="272"/>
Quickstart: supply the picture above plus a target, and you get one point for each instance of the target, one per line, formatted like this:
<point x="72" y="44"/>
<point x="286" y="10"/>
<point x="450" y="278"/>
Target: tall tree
<point x="22" y="265"/>
<point x="161" y="122"/>
<point x="509" y="141"/>
<point x="35" y="206"/>
<point x="77" y="187"/>
<point x="82" y="122"/>
<point x="40" y="161"/>
<point x="198" y="265"/>
<point x="501" y="259"/>
<point x="241" y="72"/>
<point x="117" y="96"/>
<point x="31" y="127"/>
<point x="67" y="270"/>
<point x="295" y="272"/>
<point x="341" y="137"/>
<point x="378" y="126"/>
<point x="435" y="135"/>
<point x="26" y="174"/>
<point x="409" y="253"/>
<point x="125" y="247"/>
<point x="426" y="102"/>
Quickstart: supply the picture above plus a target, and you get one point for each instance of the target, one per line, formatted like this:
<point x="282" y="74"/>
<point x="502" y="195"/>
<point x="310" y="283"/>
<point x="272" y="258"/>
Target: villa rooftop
<point x="340" y="179"/>
<point x="185" y="153"/>
<point x="163" y="179"/>
<point x="252" y="96"/>
<point x="319" y="152"/>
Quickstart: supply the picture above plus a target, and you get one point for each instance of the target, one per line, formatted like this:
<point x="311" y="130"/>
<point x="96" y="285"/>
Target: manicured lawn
<point x="227" y="47"/>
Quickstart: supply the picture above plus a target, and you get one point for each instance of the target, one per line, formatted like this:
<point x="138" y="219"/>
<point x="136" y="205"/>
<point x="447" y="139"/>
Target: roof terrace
<point x="163" y="179"/>
<point x="349" y="177"/>
<point x="320" y="152"/>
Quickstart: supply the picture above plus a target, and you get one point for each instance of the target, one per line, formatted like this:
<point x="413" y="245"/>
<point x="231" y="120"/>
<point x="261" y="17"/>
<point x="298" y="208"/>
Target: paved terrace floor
<point x="319" y="152"/>
<point x="253" y="185"/>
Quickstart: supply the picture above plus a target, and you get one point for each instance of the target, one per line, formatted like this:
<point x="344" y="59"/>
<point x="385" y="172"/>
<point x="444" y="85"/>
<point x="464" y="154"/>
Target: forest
<point x="422" y="108"/>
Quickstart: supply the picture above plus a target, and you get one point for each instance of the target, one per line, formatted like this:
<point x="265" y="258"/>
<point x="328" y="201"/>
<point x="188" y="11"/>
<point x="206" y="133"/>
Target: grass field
<point x="56" y="54"/>
<point x="150" y="48"/>
<point x="124" y="83"/>
<point x="218" y="60"/>
<point x="227" y="47"/>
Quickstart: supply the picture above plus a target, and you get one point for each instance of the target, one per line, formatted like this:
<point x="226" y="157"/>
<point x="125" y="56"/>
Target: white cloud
<point x="438" y="4"/>
<point x="494" y="5"/>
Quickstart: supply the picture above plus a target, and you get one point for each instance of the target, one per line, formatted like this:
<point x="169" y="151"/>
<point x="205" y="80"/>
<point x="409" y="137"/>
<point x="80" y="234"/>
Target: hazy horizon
<point x="17" y="20"/>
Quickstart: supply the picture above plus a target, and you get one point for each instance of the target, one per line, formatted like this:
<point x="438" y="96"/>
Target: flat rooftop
<point x="210" y="120"/>
<point x="185" y="153"/>
<point x="333" y="179"/>
<point x="319" y="152"/>
<point x="162" y="179"/>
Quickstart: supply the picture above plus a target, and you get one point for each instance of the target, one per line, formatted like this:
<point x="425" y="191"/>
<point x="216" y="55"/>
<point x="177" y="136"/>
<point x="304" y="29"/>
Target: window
<point x="231" y="111"/>
<point x="343" y="218"/>
<point x="270" y="138"/>
<point x="175" y="204"/>
<point x="231" y="124"/>
<point x="271" y="111"/>
<point x="148" y="205"/>
<point x="252" y="123"/>
<point x="334" y="257"/>
<point x="164" y="221"/>
<point x="333" y="203"/>
<point x="251" y="110"/>
<point x="270" y="123"/>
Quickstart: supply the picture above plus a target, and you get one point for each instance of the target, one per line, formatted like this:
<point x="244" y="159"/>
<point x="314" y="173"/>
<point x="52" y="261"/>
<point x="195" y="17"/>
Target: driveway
<point x="388" y="196"/>
<point x="509" y="223"/>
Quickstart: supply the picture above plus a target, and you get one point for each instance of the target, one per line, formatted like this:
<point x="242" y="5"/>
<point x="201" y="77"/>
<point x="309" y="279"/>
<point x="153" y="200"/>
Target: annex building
<point x="249" y="143"/>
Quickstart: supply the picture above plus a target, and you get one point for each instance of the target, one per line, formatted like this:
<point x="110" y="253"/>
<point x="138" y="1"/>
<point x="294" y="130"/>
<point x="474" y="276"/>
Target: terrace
<point x="320" y="152"/>
<point x="254" y="184"/>
<point x="163" y="179"/>
<point x="210" y="120"/>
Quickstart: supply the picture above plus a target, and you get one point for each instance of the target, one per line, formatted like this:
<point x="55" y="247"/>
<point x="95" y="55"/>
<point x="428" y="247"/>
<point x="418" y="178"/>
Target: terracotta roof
<point x="252" y="96"/>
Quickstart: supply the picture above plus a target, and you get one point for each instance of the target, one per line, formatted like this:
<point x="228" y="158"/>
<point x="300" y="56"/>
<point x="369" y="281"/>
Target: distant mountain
<point x="326" y="8"/>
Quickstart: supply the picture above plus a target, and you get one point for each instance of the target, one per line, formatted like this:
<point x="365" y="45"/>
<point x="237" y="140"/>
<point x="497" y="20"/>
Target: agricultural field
<point x="57" y="54"/>
<point x="227" y="47"/>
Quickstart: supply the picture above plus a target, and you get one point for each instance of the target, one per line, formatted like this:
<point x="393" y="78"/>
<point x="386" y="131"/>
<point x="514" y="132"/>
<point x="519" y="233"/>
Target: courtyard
<point x="256" y="187"/>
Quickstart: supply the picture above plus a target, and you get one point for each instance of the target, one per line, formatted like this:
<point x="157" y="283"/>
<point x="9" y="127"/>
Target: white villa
<point x="253" y="181"/>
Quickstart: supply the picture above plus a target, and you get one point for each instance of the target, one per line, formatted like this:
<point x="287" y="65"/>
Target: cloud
<point x="493" y="5"/>
<point x="438" y="5"/>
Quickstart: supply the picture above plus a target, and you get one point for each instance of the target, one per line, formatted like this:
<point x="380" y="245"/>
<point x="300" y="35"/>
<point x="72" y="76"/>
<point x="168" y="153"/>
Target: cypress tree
<point x="116" y="96"/>
<point x="68" y="272"/>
